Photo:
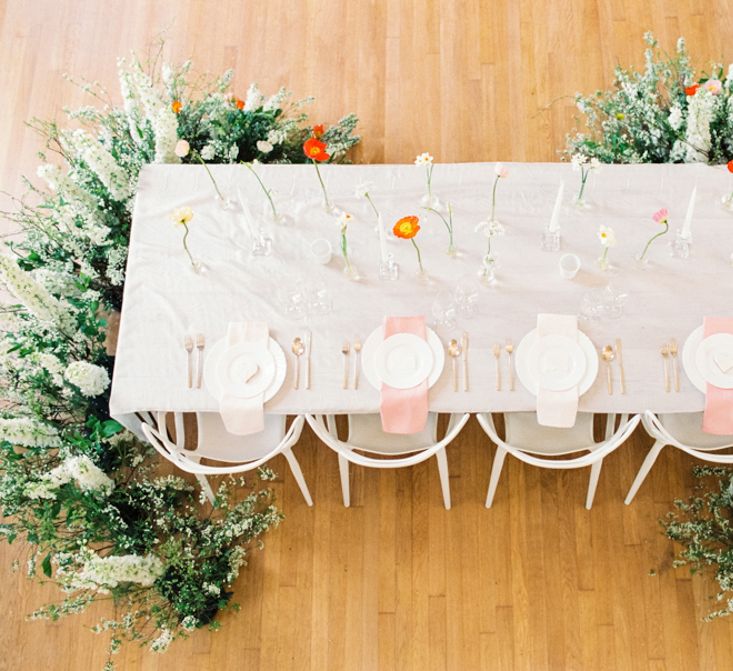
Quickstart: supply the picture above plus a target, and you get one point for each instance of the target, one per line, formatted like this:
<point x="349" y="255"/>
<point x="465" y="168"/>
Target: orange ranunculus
<point x="318" y="130"/>
<point x="407" y="227"/>
<point x="176" y="106"/>
<point x="730" y="166"/>
<point x="239" y="103"/>
<point x="315" y="150"/>
<point x="691" y="90"/>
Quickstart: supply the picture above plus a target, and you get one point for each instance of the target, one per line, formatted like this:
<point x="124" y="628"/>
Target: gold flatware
<point x="664" y="351"/>
<point x="509" y="347"/>
<point x="297" y="348"/>
<point x="620" y="357"/>
<point x="608" y="355"/>
<point x="200" y="344"/>
<point x="357" y="361"/>
<point x="496" y="349"/>
<point x="454" y="350"/>
<point x="188" y="344"/>
<point x="345" y="349"/>
<point x="464" y="346"/>
<point x="308" y="341"/>
<point x="675" y="365"/>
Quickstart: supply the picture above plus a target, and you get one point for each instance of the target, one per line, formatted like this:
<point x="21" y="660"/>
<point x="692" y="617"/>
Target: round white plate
<point x="714" y="360"/>
<point x="245" y="370"/>
<point x="556" y="362"/>
<point x="689" y="352"/>
<point x="218" y="351"/>
<point x="403" y="360"/>
<point x="374" y="341"/>
<point x="531" y="382"/>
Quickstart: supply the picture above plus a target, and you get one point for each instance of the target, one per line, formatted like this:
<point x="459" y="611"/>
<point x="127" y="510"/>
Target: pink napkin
<point x="718" y="416"/>
<point x="243" y="416"/>
<point x="557" y="408"/>
<point x="404" y="410"/>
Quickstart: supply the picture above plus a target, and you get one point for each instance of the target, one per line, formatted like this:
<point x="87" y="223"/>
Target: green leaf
<point x="110" y="427"/>
<point x="46" y="565"/>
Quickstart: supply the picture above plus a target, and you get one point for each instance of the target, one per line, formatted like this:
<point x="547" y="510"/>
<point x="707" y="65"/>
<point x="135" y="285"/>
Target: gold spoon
<point x="345" y="351"/>
<point x="509" y="347"/>
<point x="297" y="348"/>
<point x="608" y="355"/>
<point x="454" y="349"/>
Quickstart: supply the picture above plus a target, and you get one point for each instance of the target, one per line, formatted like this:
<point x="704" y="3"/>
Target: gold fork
<point x="675" y="366"/>
<point x="200" y="344"/>
<point x="188" y="344"/>
<point x="357" y="351"/>
<point x="345" y="351"/>
<point x="509" y="347"/>
<point x="664" y="351"/>
<point x="496" y="349"/>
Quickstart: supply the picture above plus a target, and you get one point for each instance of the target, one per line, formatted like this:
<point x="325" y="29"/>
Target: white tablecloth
<point x="164" y="299"/>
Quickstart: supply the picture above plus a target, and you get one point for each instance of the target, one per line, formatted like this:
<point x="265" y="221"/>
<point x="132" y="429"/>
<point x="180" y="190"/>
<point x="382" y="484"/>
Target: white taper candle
<point x="686" y="231"/>
<point x="554" y="224"/>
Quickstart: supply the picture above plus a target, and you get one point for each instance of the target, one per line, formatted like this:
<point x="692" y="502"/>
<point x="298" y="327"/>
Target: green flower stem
<point x="584" y="173"/>
<point x="488" y="247"/>
<point x="264" y="189"/>
<point x="419" y="256"/>
<point x="371" y="202"/>
<point x="493" y="198"/>
<point x="429" y="173"/>
<point x="345" y="248"/>
<point x="197" y="156"/>
<point x="448" y="223"/>
<point x="323" y="186"/>
<point x="652" y="239"/>
<point x="185" y="246"/>
<point x="604" y="256"/>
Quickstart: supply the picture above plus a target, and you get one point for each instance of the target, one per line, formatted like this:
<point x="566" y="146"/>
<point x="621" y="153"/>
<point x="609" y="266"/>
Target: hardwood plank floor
<point x="396" y="582"/>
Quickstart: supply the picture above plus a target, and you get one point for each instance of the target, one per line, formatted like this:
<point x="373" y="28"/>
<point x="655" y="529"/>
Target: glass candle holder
<point x="550" y="241"/>
<point x="389" y="269"/>
<point x="681" y="246"/>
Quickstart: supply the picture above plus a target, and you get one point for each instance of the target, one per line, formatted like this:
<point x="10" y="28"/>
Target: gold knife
<point x="620" y="357"/>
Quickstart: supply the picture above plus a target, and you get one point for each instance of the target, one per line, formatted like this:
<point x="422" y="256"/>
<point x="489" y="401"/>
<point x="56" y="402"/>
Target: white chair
<point x="681" y="430"/>
<point x="525" y="438"/>
<point x="216" y="443"/>
<point x="366" y="435"/>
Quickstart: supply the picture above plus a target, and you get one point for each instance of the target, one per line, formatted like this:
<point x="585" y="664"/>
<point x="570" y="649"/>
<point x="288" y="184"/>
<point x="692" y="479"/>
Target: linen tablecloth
<point x="164" y="299"/>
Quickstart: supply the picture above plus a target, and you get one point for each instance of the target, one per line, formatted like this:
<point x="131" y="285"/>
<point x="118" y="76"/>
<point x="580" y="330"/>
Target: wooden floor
<point x="396" y="582"/>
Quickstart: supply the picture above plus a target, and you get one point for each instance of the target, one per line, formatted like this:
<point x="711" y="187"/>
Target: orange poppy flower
<point x="691" y="90"/>
<point x="176" y="106"/>
<point x="407" y="227"/>
<point x="239" y="103"/>
<point x="730" y="166"/>
<point x="318" y="130"/>
<point x="315" y="150"/>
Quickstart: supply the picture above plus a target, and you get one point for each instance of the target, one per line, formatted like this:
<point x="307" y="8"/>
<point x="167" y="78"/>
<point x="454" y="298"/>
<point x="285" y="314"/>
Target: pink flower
<point x="713" y="86"/>
<point x="661" y="217"/>
<point x="500" y="170"/>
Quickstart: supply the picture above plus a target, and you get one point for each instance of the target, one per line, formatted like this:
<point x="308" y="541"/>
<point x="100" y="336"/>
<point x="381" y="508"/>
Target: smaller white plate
<point x="376" y="338"/>
<point x="403" y="360"/>
<point x="218" y="350"/>
<point x="556" y="362"/>
<point x="245" y="370"/>
<point x="714" y="360"/>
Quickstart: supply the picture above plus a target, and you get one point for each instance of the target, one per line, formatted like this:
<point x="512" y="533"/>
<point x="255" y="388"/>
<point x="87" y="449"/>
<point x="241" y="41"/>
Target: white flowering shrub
<point x="79" y="491"/>
<point x="662" y="114"/>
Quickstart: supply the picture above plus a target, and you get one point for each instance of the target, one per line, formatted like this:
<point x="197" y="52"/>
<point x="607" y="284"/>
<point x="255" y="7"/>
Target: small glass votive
<point x="550" y="241"/>
<point x="681" y="246"/>
<point x="261" y="243"/>
<point x="321" y="251"/>
<point x="569" y="266"/>
<point x="389" y="269"/>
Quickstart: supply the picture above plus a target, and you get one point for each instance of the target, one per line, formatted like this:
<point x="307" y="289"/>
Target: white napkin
<point x="242" y="416"/>
<point x="557" y="408"/>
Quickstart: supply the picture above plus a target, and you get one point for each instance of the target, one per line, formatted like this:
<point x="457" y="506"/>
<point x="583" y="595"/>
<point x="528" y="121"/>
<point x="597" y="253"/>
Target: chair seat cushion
<point x="524" y="432"/>
<point x="686" y="427"/>
<point x="366" y="434"/>
<point x="215" y="442"/>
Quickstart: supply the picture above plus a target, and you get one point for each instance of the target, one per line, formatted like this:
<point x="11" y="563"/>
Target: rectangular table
<point x="164" y="299"/>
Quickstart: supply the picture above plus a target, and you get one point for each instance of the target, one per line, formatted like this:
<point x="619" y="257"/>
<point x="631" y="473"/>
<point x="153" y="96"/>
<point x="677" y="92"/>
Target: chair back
<point x="656" y="429"/>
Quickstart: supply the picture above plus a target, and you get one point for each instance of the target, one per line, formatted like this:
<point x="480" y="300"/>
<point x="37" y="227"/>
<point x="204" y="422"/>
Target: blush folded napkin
<point x="718" y="416"/>
<point x="404" y="411"/>
<point x="242" y="416"/>
<point x="557" y="408"/>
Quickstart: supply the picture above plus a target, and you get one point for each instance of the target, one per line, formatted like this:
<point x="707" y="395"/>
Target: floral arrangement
<point x="82" y="493"/>
<point x="662" y="114"/>
<point x="660" y="217"/>
<point x="407" y="228"/>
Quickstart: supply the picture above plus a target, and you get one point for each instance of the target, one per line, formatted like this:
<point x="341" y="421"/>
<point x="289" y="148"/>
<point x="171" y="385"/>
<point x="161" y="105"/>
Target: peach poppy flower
<point x="176" y="106"/>
<point x="407" y="227"/>
<point x="315" y="150"/>
<point x="730" y="166"/>
<point x="691" y="90"/>
<point x="318" y="130"/>
<point x="239" y="103"/>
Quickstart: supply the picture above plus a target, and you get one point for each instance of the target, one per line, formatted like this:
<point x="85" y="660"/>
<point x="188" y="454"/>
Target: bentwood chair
<point x="365" y="435"/>
<point x="537" y="445"/>
<point x="217" y="444"/>
<point x="682" y="431"/>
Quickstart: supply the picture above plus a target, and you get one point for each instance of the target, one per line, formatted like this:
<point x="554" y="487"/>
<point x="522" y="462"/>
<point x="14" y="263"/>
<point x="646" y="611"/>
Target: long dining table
<point x="164" y="300"/>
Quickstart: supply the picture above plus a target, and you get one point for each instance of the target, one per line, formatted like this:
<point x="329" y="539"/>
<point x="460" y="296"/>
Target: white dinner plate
<point x="218" y="351"/>
<point x="556" y="362"/>
<point x="689" y="352"/>
<point x="531" y="381"/>
<point x="245" y="370"/>
<point x="375" y="340"/>
<point x="403" y="360"/>
<point x="714" y="360"/>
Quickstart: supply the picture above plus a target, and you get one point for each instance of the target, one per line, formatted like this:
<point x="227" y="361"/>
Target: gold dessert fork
<point x="188" y="344"/>
<point x="357" y="362"/>
<point x="345" y="351"/>
<point x="509" y="347"/>
<point x="200" y="344"/>
<point x="664" y="351"/>
<point x="675" y="366"/>
<point x="496" y="349"/>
